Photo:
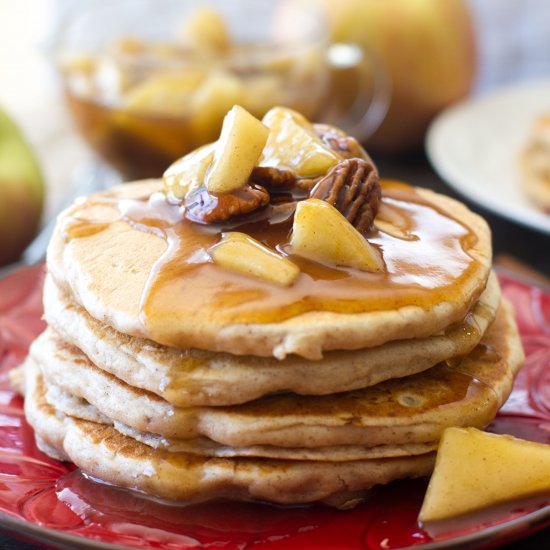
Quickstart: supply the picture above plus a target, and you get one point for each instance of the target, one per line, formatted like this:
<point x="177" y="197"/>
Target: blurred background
<point x="112" y="98"/>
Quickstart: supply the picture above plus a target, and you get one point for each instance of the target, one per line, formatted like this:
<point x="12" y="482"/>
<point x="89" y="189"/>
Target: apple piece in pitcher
<point x="166" y="94"/>
<point x="205" y="30"/>
<point x="210" y="103"/>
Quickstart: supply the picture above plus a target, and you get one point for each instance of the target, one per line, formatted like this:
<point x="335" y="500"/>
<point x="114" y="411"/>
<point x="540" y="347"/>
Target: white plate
<point x="474" y="146"/>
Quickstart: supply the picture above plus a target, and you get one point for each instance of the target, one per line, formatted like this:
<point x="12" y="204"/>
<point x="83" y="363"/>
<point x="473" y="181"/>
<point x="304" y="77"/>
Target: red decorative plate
<point x="50" y="501"/>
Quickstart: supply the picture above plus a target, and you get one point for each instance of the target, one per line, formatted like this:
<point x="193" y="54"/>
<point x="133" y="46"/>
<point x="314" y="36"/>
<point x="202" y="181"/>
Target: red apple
<point x="21" y="191"/>
<point x="429" y="50"/>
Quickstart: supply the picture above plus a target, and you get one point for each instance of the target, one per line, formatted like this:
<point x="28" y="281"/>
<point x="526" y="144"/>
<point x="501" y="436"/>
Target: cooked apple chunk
<point x="187" y="174"/>
<point x="475" y="469"/>
<point x="218" y="92"/>
<point x="240" y="252"/>
<point x="321" y="233"/>
<point x="293" y="144"/>
<point x="165" y="94"/>
<point x="206" y="30"/>
<point x="241" y="142"/>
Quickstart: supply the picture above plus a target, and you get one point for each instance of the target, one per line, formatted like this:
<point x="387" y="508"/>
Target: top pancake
<point x="435" y="279"/>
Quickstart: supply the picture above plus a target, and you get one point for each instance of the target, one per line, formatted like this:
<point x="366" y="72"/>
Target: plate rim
<point x="503" y="533"/>
<point x="452" y="175"/>
<point x="29" y="531"/>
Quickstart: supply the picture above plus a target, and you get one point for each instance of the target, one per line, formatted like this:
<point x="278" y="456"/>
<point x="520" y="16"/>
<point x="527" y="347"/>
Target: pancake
<point x="104" y="453"/>
<point x="199" y="378"/>
<point x="413" y="409"/>
<point x="535" y="164"/>
<point x="110" y="251"/>
<point x="73" y="406"/>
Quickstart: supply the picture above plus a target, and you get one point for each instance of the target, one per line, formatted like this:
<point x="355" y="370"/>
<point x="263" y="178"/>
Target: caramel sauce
<point x="141" y="144"/>
<point x="426" y="257"/>
<point x="138" y="145"/>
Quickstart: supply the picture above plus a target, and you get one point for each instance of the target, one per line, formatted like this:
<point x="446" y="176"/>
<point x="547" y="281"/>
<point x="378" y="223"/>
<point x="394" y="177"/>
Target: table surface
<point x="528" y="246"/>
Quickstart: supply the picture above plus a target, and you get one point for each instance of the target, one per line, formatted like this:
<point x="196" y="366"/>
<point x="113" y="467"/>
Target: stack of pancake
<point x="192" y="382"/>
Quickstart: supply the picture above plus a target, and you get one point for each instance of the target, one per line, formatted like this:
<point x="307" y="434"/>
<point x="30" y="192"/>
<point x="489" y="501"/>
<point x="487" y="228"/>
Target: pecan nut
<point x="353" y="187"/>
<point x="340" y="142"/>
<point x="272" y="178"/>
<point x="279" y="179"/>
<point x="347" y="146"/>
<point x="204" y="207"/>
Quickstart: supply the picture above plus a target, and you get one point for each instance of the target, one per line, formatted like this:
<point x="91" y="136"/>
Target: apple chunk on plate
<point x="475" y="469"/>
<point x="239" y="252"/>
<point x="321" y="233"/>
<point x="241" y="142"/>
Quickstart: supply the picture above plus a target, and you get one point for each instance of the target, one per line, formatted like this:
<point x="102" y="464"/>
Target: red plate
<point x="52" y="502"/>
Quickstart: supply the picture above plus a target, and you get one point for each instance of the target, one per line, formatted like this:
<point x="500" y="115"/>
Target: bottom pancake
<point x="104" y="453"/>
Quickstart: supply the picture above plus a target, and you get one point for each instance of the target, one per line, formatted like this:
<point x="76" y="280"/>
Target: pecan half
<point x="204" y="207"/>
<point x="353" y="187"/>
<point x="272" y="178"/>
<point x="347" y="146"/>
<point x="276" y="179"/>
<point x="340" y="142"/>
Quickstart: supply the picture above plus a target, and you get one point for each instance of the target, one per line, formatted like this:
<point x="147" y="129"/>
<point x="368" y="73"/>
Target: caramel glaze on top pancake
<point x="432" y="257"/>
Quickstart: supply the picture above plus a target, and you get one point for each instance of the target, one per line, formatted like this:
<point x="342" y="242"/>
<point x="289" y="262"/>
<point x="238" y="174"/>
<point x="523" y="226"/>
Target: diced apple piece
<point x="165" y="94"/>
<point x="261" y="92"/>
<point x="240" y="252"/>
<point x="237" y="152"/>
<point x="294" y="144"/>
<point x="211" y="101"/>
<point x="475" y="469"/>
<point x="206" y="30"/>
<point x="85" y="64"/>
<point x="188" y="173"/>
<point x="321" y="233"/>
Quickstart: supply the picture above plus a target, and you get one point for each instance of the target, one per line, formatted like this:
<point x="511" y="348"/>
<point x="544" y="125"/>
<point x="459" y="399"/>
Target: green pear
<point x="21" y="191"/>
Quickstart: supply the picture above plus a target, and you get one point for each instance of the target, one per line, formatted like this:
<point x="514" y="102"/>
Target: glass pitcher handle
<point x="359" y="91"/>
